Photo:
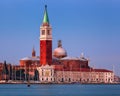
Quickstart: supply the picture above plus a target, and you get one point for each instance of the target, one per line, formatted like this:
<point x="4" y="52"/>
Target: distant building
<point x="60" y="68"/>
<point x="56" y="66"/>
<point x="5" y="71"/>
<point x="29" y="61"/>
<point x="84" y="76"/>
<point x="117" y="79"/>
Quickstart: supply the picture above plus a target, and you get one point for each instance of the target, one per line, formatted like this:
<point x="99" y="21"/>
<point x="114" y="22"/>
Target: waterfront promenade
<point x="38" y="82"/>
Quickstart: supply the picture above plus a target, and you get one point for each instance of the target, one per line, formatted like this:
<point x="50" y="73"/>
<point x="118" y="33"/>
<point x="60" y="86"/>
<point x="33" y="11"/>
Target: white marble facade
<point x="46" y="74"/>
<point x="83" y="77"/>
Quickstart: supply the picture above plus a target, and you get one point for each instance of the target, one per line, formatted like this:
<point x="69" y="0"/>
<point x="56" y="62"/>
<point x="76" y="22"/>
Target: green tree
<point x="5" y="71"/>
<point x="36" y="76"/>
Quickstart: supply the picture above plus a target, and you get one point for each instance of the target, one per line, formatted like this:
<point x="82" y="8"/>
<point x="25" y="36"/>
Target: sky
<point x="91" y="27"/>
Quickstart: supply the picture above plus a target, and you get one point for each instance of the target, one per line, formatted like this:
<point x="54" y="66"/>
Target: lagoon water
<point x="59" y="90"/>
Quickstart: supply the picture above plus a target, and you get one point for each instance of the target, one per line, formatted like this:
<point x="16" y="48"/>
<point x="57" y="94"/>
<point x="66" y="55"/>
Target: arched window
<point x="43" y="32"/>
<point x="62" y="80"/>
<point x="48" y="32"/>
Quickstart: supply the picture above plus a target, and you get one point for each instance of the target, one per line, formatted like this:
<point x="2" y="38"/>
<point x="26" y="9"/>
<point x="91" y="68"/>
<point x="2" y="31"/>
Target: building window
<point x="87" y="79"/>
<point x="43" y="32"/>
<point x="51" y="72"/>
<point x="42" y="73"/>
<point x="62" y="80"/>
<point x="48" y="32"/>
<point x="69" y="80"/>
<point x="80" y="79"/>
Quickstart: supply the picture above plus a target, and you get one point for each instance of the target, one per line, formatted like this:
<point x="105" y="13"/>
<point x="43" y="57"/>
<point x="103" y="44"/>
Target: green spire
<point x="45" y="19"/>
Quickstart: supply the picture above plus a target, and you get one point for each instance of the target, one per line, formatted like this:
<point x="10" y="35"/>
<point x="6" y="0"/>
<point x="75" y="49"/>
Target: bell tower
<point x="33" y="52"/>
<point x="45" y="40"/>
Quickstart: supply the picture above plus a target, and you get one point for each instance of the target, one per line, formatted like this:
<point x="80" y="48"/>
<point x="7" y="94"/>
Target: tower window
<point x="48" y="32"/>
<point x="43" y="32"/>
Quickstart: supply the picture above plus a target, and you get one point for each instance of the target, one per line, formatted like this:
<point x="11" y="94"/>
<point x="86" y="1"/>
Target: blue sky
<point x="88" y="26"/>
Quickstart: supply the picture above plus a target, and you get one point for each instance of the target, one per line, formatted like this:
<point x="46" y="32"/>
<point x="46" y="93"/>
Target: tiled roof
<point x="70" y="58"/>
<point x="31" y="58"/>
<point x="75" y="58"/>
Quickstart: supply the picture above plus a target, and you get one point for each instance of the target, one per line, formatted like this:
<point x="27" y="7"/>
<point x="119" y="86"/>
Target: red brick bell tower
<point x="45" y="40"/>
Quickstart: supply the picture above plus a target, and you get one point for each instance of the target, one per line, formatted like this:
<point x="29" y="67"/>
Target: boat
<point x="28" y="84"/>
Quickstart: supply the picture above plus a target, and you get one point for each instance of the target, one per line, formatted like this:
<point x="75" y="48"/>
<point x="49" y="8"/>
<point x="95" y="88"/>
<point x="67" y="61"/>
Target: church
<point x="57" y="67"/>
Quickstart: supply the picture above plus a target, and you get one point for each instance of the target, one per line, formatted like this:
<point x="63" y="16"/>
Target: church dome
<point x="59" y="52"/>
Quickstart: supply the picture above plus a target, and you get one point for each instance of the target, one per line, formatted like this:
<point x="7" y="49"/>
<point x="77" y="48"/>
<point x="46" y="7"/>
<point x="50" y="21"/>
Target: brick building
<point x="55" y="66"/>
<point x="63" y="68"/>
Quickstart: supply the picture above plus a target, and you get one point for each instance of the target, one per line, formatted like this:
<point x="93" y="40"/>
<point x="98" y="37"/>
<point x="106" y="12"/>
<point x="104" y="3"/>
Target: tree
<point x="5" y="70"/>
<point x="36" y="76"/>
<point x="20" y="74"/>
